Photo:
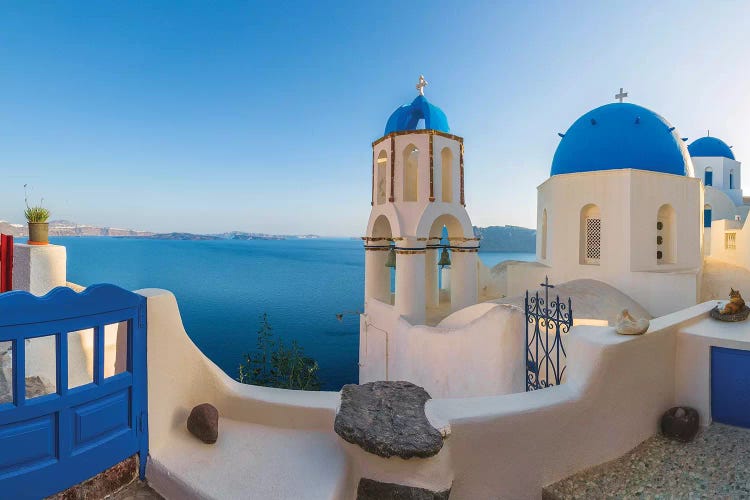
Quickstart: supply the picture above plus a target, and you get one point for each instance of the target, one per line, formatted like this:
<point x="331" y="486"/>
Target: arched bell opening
<point x="446" y="272"/>
<point x="380" y="262"/>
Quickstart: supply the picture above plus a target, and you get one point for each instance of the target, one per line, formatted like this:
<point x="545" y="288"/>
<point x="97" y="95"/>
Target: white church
<point x="629" y="206"/>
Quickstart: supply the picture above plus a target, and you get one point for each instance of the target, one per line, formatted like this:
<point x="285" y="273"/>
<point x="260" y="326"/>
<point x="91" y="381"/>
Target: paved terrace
<point x="715" y="465"/>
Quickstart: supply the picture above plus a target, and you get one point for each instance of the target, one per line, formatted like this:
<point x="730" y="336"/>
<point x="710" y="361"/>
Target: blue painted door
<point x="53" y="441"/>
<point x="730" y="386"/>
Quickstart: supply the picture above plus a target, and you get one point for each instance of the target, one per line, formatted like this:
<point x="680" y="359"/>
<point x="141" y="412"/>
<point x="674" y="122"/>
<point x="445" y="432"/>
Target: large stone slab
<point x="369" y="489"/>
<point x="387" y="419"/>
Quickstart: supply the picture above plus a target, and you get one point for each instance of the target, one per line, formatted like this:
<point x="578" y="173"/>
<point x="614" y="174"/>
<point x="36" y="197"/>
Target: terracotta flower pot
<point x="38" y="233"/>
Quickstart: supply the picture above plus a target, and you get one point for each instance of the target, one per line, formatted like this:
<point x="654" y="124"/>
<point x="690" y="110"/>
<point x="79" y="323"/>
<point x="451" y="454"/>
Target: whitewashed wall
<point x="477" y="351"/>
<point x="617" y="389"/>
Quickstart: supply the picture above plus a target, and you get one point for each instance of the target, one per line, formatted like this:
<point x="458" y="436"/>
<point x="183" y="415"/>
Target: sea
<point x="223" y="288"/>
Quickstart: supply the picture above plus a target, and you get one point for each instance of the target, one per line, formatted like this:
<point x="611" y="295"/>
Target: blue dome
<point x="621" y="135"/>
<point x="407" y="117"/>
<point x="710" y="146"/>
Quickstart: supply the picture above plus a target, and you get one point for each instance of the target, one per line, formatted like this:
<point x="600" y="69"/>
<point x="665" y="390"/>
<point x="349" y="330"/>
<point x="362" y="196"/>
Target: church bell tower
<point x="417" y="194"/>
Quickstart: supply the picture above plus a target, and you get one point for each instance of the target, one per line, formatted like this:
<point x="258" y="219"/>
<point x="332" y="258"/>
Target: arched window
<point x="706" y="215"/>
<point x="591" y="235"/>
<point x="544" y="234"/>
<point x="447" y="174"/>
<point x="380" y="185"/>
<point x="665" y="233"/>
<point x="731" y="179"/>
<point x="709" y="177"/>
<point x="380" y="282"/>
<point x="411" y="172"/>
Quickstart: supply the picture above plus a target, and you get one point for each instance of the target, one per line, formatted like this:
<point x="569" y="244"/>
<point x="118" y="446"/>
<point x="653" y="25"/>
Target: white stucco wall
<point x="721" y="168"/>
<point x="722" y="207"/>
<point x="617" y="388"/>
<point x="507" y="446"/>
<point x="472" y="352"/>
<point x="273" y="443"/>
<point x="629" y="202"/>
<point x="738" y="256"/>
<point x="39" y="268"/>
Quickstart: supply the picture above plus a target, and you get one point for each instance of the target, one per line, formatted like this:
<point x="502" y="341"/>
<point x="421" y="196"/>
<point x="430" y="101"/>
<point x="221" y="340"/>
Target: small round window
<point x="659" y="226"/>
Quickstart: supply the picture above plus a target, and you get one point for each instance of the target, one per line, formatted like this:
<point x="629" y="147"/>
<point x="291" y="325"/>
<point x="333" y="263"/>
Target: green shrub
<point x="37" y="213"/>
<point x="274" y="364"/>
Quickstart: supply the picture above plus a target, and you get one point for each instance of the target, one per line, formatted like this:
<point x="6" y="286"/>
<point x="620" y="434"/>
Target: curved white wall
<point x="506" y="446"/>
<point x="475" y="351"/>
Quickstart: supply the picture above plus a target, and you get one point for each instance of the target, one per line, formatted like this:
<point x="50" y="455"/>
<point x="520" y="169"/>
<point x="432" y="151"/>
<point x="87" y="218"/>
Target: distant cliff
<point x="506" y="239"/>
<point x="67" y="228"/>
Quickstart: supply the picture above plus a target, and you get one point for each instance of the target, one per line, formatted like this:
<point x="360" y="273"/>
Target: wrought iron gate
<point x="546" y="322"/>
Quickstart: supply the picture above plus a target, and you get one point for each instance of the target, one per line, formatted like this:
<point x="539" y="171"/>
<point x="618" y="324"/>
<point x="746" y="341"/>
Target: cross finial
<point x="546" y="283"/>
<point x="622" y="95"/>
<point x="421" y="84"/>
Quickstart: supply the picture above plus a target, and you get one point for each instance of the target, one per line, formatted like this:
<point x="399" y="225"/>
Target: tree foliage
<point x="276" y="364"/>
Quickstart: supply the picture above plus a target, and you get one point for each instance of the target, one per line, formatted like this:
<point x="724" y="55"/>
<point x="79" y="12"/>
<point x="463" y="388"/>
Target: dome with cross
<point x="408" y="117"/>
<point x="710" y="146"/>
<point x="619" y="136"/>
<point x="420" y="113"/>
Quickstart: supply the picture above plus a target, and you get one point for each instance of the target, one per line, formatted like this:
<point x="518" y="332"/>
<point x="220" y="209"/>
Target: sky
<point x="259" y="116"/>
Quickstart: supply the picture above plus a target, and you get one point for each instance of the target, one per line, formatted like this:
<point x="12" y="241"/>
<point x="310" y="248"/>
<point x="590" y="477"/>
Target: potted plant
<point x="37" y="217"/>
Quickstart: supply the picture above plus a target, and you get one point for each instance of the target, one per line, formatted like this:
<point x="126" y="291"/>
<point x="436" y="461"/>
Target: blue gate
<point x="49" y="442"/>
<point x="545" y="366"/>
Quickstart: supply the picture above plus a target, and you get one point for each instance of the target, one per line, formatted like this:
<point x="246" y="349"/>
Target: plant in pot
<point x="37" y="217"/>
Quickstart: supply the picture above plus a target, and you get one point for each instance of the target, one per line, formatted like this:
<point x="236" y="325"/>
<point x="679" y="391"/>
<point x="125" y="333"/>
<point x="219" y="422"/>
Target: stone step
<point x="250" y="461"/>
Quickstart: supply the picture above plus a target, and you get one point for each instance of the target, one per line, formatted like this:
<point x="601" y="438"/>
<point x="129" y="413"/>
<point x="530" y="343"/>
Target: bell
<point x="390" y="261"/>
<point x="445" y="258"/>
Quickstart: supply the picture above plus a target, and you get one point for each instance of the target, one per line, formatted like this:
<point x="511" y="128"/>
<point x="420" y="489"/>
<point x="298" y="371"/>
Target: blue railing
<point x="53" y="441"/>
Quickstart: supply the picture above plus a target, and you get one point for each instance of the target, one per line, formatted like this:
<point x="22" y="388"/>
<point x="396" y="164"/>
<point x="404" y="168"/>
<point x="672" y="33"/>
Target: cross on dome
<point x="421" y="84"/>
<point x="622" y="95"/>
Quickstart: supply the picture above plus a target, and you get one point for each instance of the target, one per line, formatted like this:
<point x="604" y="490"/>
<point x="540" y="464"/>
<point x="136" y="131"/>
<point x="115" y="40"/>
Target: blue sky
<point x="213" y="116"/>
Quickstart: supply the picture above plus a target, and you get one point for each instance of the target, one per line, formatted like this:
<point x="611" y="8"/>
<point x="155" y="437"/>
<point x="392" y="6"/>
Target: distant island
<point x="506" y="239"/>
<point x="68" y="228"/>
<point x="493" y="238"/>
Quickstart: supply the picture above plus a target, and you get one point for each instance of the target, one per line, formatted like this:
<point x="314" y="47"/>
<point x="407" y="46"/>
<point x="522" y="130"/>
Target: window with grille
<point x="593" y="240"/>
<point x="730" y="241"/>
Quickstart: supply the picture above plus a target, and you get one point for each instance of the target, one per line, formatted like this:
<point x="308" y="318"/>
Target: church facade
<point x="622" y="206"/>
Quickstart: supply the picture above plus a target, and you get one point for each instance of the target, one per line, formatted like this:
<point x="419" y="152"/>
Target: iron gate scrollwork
<point x="546" y="322"/>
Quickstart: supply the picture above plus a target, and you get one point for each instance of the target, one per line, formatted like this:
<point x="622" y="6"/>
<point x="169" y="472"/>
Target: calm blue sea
<point x="223" y="287"/>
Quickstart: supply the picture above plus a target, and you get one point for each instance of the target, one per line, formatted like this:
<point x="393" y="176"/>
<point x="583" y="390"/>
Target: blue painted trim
<point x="706" y="217"/>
